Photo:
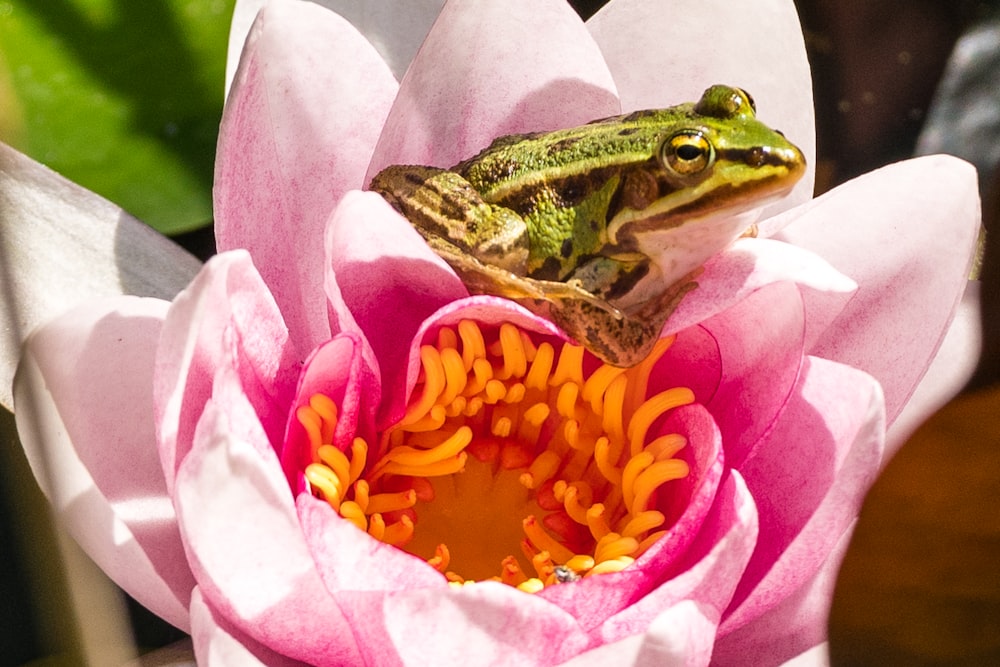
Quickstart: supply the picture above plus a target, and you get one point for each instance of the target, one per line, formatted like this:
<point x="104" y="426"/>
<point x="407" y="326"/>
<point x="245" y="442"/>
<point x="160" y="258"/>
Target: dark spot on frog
<point x="627" y="281"/>
<point x="567" y="248"/>
<point x="627" y="131"/>
<point x="549" y="270"/>
<point x="413" y="178"/>
<point x="563" y="145"/>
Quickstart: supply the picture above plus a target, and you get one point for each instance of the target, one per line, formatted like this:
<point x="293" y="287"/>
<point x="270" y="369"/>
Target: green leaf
<point x="122" y="97"/>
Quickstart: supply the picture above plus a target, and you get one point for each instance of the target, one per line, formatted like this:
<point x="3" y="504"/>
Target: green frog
<point x="602" y="228"/>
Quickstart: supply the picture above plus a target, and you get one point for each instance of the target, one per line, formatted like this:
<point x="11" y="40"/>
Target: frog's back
<point x="517" y="163"/>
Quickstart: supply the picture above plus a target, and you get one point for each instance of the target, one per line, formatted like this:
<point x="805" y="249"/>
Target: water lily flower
<point x="325" y="451"/>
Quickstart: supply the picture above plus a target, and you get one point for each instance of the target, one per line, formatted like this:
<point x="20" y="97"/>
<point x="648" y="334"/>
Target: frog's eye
<point x="687" y="153"/>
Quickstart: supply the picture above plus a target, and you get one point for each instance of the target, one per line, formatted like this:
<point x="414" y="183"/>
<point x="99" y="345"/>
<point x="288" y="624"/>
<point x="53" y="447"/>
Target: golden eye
<point x="687" y="153"/>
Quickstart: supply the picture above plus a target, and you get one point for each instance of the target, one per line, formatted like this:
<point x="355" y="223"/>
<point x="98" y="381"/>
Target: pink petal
<point x="243" y="537"/>
<point x="661" y="53"/>
<point x="84" y="409"/>
<point x="348" y="559"/>
<point x="298" y="130"/>
<point x="808" y="481"/>
<point x="336" y="370"/>
<point x="750" y="264"/>
<point x="218" y="642"/>
<point x="907" y="234"/>
<point x="760" y="340"/>
<point x="489" y="69"/>
<point x="794" y="628"/>
<point x="707" y="576"/>
<point x="950" y="370"/>
<point x="225" y="318"/>
<point x="486" y="623"/>
<point x="384" y="280"/>
<point x="681" y="635"/>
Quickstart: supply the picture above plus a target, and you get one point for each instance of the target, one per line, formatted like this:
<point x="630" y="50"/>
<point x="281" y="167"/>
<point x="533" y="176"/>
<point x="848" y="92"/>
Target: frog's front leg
<point x="620" y="341"/>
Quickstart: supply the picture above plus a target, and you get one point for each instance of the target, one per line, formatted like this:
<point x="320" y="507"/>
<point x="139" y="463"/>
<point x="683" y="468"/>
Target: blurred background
<point x="125" y="98"/>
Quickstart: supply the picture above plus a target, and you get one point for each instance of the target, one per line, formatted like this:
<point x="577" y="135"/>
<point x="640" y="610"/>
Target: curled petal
<point x="226" y="318"/>
<point x="84" y="409"/>
<point x="336" y="370"/>
<point x="244" y="541"/>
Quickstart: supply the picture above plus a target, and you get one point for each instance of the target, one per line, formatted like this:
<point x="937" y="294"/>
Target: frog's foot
<point x="621" y="341"/>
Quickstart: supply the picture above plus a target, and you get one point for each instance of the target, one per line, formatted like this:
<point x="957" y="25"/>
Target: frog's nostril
<point x="756" y="157"/>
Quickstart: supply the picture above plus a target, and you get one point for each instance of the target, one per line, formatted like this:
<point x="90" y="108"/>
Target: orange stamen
<point x="563" y="451"/>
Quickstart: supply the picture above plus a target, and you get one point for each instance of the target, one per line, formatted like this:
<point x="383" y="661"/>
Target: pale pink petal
<point x="486" y="70"/>
<point x="226" y="317"/>
<point x="750" y="264"/>
<point x="950" y="370"/>
<point x="808" y="480"/>
<point x="297" y="133"/>
<point x="243" y="537"/>
<point x="486" y="623"/>
<point x="218" y="643"/>
<point x="907" y="235"/>
<point x="336" y="370"/>
<point x="84" y="409"/>
<point x="663" y="52"/>
<point x="681" y="636"/>
<point x="396" y="29"/>
<point x="760" y="340"/>
<point x="348" y="559"/>
<point x="793" y="631"/>
<point x="384" y="280"/>
<point x="708" y="575"/>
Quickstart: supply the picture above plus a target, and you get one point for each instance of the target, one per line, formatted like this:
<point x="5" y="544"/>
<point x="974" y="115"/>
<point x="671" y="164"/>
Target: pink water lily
<point x="789" y="360"/>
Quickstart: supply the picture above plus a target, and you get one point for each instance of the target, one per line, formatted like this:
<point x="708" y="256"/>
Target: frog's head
<point x="715" y="167"/>
<point x="714" y="159"/>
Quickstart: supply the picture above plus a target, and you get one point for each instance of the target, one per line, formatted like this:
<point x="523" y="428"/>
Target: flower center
<point x="511" y="463"/>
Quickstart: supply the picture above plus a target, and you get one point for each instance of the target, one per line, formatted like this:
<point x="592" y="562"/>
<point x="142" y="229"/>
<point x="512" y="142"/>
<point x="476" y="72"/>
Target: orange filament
<point x="512" y="462"/>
